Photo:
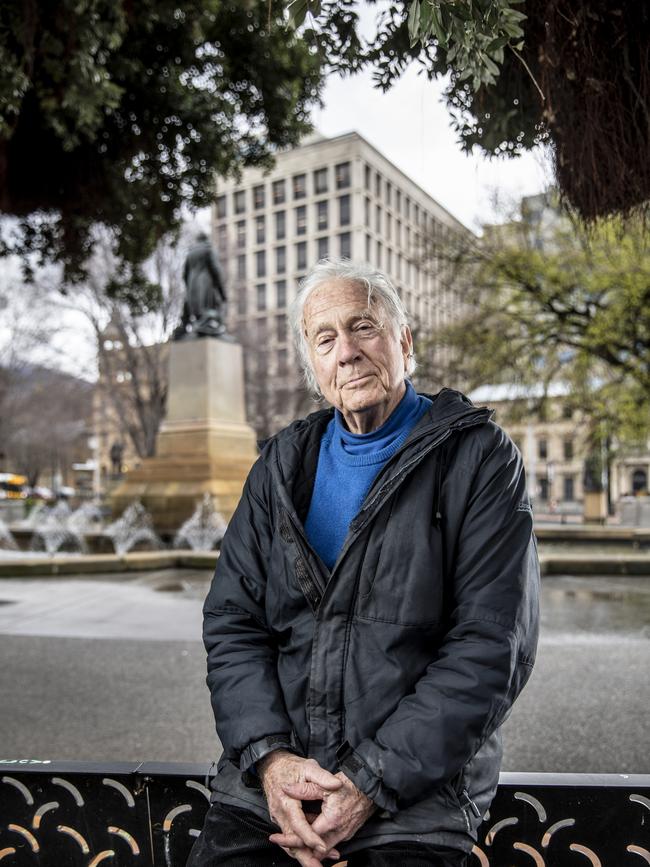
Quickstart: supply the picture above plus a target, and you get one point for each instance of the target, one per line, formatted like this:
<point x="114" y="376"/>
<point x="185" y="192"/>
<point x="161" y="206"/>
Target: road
<point x="100" y="670"/>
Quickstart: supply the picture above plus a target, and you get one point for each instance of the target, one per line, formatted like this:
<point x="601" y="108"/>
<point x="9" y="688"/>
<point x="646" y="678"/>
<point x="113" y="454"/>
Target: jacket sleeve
<point x="247" y="701"/>
<point x="487" y="654"/>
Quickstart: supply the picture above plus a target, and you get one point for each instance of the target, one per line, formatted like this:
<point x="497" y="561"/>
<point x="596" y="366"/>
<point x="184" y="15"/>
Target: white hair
<point x="380" y="291"/>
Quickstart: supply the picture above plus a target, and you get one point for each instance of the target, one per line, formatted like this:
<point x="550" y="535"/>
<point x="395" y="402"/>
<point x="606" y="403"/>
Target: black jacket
<point x="398" y="667"/>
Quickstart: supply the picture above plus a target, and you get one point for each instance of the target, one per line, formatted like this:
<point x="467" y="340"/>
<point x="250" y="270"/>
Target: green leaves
<point x="122" y="114"/>
<point x="472" y="34"/>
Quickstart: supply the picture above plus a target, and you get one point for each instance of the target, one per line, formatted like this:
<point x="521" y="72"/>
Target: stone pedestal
<point x="204" y="445"/>
<point x="595" y="507"/>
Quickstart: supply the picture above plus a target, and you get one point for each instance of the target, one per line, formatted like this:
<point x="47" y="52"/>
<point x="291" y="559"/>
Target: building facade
<point x="328" y="197"/>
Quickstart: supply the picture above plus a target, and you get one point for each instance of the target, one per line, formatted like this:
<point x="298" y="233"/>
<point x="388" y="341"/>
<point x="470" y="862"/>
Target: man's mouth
<point x="357" y="379"/>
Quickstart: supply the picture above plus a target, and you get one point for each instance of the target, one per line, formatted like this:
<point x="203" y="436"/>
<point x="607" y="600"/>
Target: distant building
<point x="328" y="197"/>
<point x="555" y="447"/>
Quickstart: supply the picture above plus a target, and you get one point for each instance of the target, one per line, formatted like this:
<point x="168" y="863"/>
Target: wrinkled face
<point x="358" y="357"/>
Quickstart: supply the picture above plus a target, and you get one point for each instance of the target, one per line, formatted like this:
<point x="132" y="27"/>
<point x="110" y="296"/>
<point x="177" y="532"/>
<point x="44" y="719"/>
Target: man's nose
<point x="348" y="349"/>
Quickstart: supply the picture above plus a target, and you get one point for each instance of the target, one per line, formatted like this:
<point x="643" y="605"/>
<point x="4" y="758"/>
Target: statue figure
<point x="205" y="294"/>
<point x="116" y="452"/>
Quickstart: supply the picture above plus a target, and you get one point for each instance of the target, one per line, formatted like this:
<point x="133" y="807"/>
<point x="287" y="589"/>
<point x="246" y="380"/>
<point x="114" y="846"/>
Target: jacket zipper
<point x="307" y="580"/>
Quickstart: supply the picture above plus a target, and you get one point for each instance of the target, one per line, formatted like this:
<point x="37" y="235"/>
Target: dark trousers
<point x="239" y="838"/>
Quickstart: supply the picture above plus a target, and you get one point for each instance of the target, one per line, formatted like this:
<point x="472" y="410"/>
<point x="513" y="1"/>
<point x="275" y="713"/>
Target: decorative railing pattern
<point x="77" y="814"/>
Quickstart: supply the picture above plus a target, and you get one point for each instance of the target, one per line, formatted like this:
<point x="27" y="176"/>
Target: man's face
<point x="358" y="358"/>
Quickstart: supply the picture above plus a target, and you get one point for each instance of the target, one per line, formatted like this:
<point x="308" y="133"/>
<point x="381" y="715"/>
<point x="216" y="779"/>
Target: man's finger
<point x="300" y="826"/>
<point x="291" y="841"/>
<point x="315" y="774"/>
<point x="305" y="791"/>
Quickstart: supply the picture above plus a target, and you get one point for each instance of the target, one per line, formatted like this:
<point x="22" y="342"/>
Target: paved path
<point x="99" y="670"/>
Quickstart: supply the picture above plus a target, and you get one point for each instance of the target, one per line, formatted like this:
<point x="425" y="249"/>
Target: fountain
<point x="54" y="532"/>
<point x="7" y="541"/>
<point x="133" y="528"/>
<point x="32" y="520"/>
<point x="86" y="518"/>
<point x="204" y="530"/>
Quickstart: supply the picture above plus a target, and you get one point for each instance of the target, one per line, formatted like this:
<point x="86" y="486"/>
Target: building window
<point x="239" y="201"/>
<point x="366" y="213"/>
<point x="323" y="248"/>
<point x="377" y="218"/>
<point x="568" y="450"/>
<point x="416" y="215"/>
<point x="389" y="194"/>
<point x="389" y="226"/>
<point x="368" y="178"/>
<point x="368" y="247"/>
<point x="260" y="291"/>
<point x="241" y="302"/>
<point x="299" y="186"/>
<point x="280" y="226"/>
<point x="258" y="197"/>
<point x="281" y="293"/>
<point x="279" y="192"/>
<point x="569" y="489"/>
<point x="301" y="255"/>
<point x="283" y="359"/>
<point x="407" y="207"/>
<point x="241" y="267"/>
<point x="222" y="237"/>
<point x="281" y="328"/>
<point x="280" y="260"/>
<point x="260" y="263"/>
<point x="344" y="210"/>
<point x="378" y="185"/>
<point x="240" y="233"/>
<point x="345" y="245"/>
<point x="542" y="450"/>
<point x="342" y="172"/>
<point x="301" y="220"/>
<point x="320" y="181"/>
<point x="260" y="230"/>
<point x="389" y="261"/>
<point x="221" y="207"/>
<point x="543" y="489"/>
<point x="398" y="201"/>
<point x="378" y="255"/>
<point x="567" y="411"/>
<point x="321" y="216"/>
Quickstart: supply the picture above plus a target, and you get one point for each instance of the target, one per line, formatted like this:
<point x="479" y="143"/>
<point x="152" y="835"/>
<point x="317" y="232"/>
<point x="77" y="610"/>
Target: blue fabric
<point x="348" y="464"/>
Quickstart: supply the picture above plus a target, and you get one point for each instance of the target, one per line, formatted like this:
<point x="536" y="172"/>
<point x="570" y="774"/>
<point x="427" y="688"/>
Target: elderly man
<point x="373" y="614"/>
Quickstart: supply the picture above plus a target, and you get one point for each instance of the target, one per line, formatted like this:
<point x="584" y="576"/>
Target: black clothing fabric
<point x="237" y="838"/>
<point x="398" y="666"/>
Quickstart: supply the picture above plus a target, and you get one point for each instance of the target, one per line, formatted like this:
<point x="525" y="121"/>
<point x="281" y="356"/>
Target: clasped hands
<point x="288" y="780"/>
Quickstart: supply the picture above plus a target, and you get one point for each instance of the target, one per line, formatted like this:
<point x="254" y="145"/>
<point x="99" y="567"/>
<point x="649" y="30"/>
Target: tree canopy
<point x="554" y="301"/>
<point x="575" y="73"/>
<point x="121" y="114"/>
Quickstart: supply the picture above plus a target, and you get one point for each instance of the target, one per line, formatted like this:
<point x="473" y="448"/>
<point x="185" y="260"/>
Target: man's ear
<point x="406" y="341"/>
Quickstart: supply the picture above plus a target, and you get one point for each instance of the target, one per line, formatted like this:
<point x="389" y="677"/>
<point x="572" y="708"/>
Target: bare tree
<point x="131" y="315"/>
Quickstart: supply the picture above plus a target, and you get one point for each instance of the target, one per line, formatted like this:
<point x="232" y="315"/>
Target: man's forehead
<point x="333" y="300"/>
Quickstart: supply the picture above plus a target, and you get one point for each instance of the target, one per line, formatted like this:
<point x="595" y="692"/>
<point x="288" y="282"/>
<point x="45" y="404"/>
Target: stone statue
<point x="116" y="452"/>
<point x="205" y="294"/>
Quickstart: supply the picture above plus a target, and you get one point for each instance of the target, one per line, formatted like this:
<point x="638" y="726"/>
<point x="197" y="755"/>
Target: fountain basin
<point x="79" y="564"/>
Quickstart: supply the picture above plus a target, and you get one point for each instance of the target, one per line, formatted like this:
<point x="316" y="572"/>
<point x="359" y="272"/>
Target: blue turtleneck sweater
<point x="348" y="464"/>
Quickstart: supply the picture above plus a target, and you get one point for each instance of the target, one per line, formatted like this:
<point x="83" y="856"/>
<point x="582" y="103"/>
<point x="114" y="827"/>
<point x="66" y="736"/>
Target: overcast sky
<point x="411" y="126"/>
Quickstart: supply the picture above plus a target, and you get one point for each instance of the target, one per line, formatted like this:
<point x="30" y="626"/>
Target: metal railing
<point x="68" y="814"/>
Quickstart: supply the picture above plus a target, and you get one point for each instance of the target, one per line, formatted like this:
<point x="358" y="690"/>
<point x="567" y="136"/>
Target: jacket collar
<point x="292" y="454"/>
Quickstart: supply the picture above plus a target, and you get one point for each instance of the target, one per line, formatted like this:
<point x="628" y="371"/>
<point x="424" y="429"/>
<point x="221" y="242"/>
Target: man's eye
<point x="324" y="344"/>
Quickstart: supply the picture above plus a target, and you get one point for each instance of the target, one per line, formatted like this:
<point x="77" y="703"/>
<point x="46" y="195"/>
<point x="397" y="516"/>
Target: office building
<point x="328" y="197"/>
